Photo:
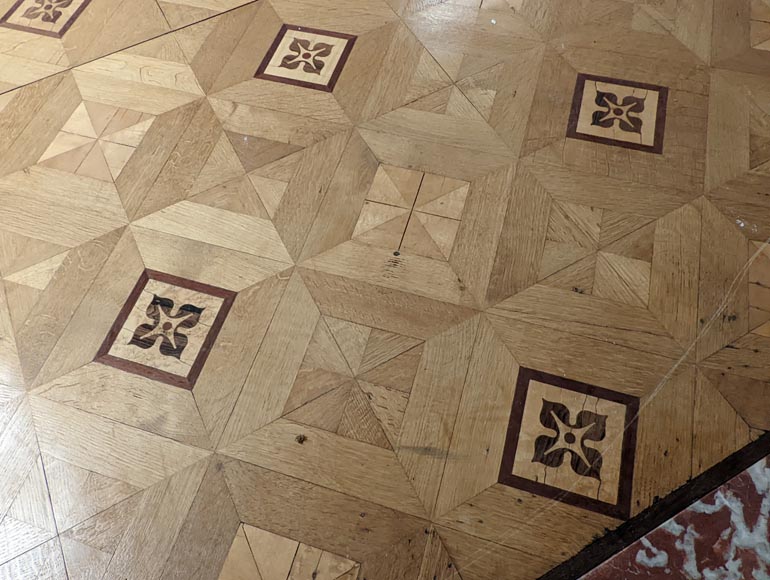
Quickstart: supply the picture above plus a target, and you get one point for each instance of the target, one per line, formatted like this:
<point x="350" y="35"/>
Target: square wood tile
<point x="46" y="17"/>
<point x="618" y="112"/>
<point x="166" y="328"/>
<point x="306" y="57"/>
<point x="572" y="442"/>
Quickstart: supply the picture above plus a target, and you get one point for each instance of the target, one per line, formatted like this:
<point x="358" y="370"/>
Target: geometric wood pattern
<point x="349" y="278"/>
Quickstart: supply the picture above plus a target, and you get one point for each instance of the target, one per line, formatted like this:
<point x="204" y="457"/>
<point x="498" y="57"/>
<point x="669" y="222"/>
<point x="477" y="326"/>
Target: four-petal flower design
<point x="166" y="325"/>
<point x="570" y="438"/>
<point x="310" y="57"/>
<point x="612" y="111"/>
<point x="47" y="10"/>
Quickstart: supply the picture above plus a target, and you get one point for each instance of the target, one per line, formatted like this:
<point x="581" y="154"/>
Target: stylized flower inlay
<point x="167" y="326"/>
<point x="310" y="57"/>
<point x="570" y="438"/>
<point x="48" y="10"/>
<point x="613" y="111"/>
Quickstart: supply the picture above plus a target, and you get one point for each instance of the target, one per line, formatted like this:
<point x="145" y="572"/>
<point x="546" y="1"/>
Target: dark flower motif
<point x="309" y="57"/>
<point x="569" y="438"/>
<point x="621" y="112"/>
<point x="49" y="10"/>
<point x="166" y="326"/>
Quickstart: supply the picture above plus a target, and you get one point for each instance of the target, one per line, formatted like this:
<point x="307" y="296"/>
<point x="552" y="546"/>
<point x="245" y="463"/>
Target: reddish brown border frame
<point x="621" y="509"/>
<point x="660" y="119"/>
<point x="260" y="74"/>
<point x="60" y="34"/>
<point x="136" y="368"/>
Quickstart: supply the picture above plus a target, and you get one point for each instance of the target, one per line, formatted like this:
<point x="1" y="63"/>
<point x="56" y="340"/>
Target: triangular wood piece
<point x="374" y="214"/>
<point x="333" y="567"/>
<point x="480" y="89"/>
<point x="323" y="351"/>
<point x="269" y="191"/>
<point x="99" y="116"/>
<point x="460" y="107"/>
<point x="759" y="136"/>
<point x="324" y="412"/>
<point x="418" y="241"/>
<point x="360" y="423"/>
<point x="283" y="169"/>
<point x="95" y="166"/>
<point x="18" y="252"/>
<point x="84" y="562"/>
<point x="39" y="275"/>
<point x="637" y="245"/>
<point x="572" y="223"/>
<point x="387" y="235"/>
<point x="237" y="196"/>
<point x="397" y="373"/>
<point x="179" y="15"/>
<point x="384" y="346"/>
<point x="577" y="277"/>
<point x="240" y="564"/>
<point x="310" y="384"/>
<point x="559" y="255"/>
<point x="406" y="181"/>
<point x="428" y="78"/>
<point x="78" y="494"/>
<point x="385" y="191"/>
<point x="116" y="156"/>
<point x="351" y="338"/>
<point x="615" y="225"/>
<point x="451" y="62"/>
<point x="105" y="530"/>
<point x="273" y="554"/>
<point x="69" y="159"/>
<point x="222" y="166"/>
<point x="622" y="279"/>
<point x="443" y="197"/>
<point x="31" y="504"/>
<point x="255" y="152"/>
<point x="131" y="135"/>
<point x="21" y="299"/>
<point x="442" y="231"/>
<point x="79" y="123"/>
<point x="389" y="406"/>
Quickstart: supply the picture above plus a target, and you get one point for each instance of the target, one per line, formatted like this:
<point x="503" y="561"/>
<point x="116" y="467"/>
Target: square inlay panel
<point x="166" y="328"/>
<point x="572" y="442"/>
<point x="306" y="57"/>
<point x="47" y="17"/>
<point x="618" y="112"/>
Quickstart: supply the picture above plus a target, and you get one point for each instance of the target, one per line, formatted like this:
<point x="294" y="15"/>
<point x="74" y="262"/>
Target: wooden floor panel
<point x="372" y="289"/>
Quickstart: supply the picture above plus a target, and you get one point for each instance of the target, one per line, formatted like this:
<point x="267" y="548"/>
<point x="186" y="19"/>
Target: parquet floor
<point x="372" y="289"/>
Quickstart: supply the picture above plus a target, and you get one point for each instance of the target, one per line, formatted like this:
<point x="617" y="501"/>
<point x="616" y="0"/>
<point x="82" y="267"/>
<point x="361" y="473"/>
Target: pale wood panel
<point x="228" y="365"/>
<point x="275" y="368"/>
<point x="380" y="307"/>
<point x="58" y="207"/>
<point x="475" y="249"/>
<point x="728" y="129"/>
<point x="432" y="409"/>
<point x="674" y="273"/>
<point x="11" y="376"/>
<point x="749" y="397"/>
<point x="363" y="531"/>
<point x="664" y="446"/>
<point x="61" y="299"/>
<point x="130" y="399"/>
<point x="106" y="447"/>
<point x="473" y="463"/>
<point x="219" y="227"/>
<point x="18" y="449"/>
<point x="203" y="262"/>
<point x="535" y="525"/>
<point x="724" y="288"/>
<point x="591" y="317"/>
<point x="329" y="460"/>
<point x="436" y="563"/>
<point x="94" y="316"/>
<point x="592" y="361"/>
<point x="45" y="561"/>
<point x="408" y="273"/>
<point x="349" y="16"/>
